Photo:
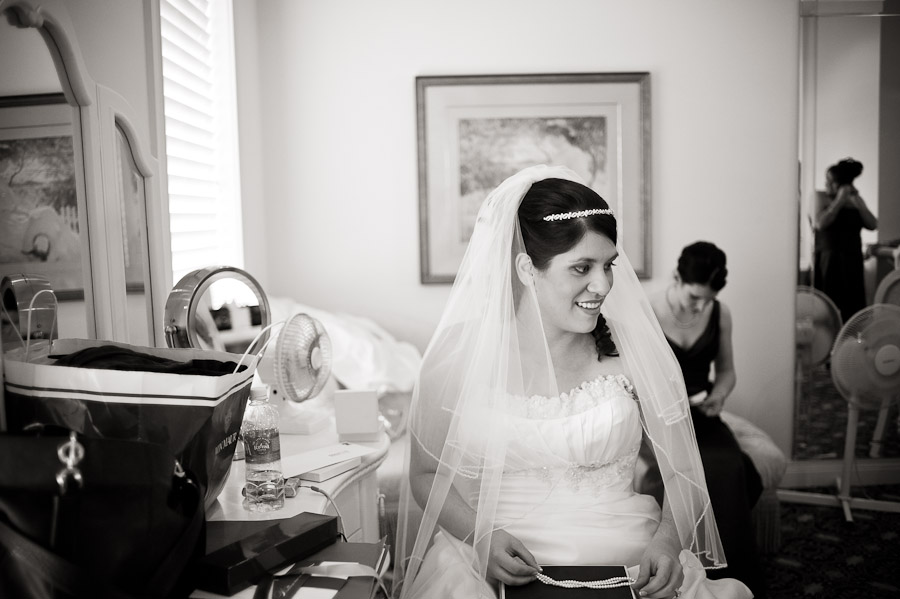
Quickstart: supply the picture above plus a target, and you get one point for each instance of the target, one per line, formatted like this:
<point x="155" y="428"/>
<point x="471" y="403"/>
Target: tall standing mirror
<point x="80" y="199"/>
<point x="850" y="86"/>
<point x="42" y="197"/>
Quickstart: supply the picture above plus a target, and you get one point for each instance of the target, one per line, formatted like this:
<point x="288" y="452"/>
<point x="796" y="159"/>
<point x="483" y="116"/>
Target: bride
<point x="535" y="393"/>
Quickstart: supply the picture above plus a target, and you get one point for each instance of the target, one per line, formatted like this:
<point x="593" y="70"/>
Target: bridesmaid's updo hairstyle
<point x="845" y="171"/>
<point x="545" y="239"/>
<point x="702" y="263"/>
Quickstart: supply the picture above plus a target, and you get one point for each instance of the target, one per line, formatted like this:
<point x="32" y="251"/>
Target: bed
<point x="368" y="357"/>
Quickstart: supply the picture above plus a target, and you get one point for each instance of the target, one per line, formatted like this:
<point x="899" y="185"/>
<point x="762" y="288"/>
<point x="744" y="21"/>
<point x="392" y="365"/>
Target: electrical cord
<point x="333" y="504"/>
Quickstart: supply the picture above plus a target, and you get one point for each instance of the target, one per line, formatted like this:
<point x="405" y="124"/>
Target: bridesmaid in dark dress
<point x="841" y="214"/>
<point x="698" y="328"/>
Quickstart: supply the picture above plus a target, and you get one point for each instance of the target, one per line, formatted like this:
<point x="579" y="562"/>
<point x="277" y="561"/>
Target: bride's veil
<point x="488" y="349"/>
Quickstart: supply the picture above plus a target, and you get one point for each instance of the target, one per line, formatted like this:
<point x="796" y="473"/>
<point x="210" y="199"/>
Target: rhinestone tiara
<point x="578" y="214"/>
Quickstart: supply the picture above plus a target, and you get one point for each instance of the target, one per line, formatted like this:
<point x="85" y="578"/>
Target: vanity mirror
<point x="849" y="84"/>
<point x="218" y="307"/>
<point x="80" y="198"/>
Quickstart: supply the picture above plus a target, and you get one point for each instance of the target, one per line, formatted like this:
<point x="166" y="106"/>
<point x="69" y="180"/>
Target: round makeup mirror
<point x="218" y="307"/>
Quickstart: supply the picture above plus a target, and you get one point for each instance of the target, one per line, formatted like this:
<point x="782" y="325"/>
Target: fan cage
<point x="818" y="322"/>
<point x="302" y="357"/>
<point x="888" y="290"/>
<point x="865" y="358"/>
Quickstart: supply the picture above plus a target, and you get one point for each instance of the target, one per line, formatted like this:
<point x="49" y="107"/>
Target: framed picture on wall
<point x="39" y="209"/>
<point x="475" y="131"/>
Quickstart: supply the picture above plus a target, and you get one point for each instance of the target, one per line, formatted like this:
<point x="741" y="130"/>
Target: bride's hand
<point x="510" y="562"/>
<point x="660" y="573"/>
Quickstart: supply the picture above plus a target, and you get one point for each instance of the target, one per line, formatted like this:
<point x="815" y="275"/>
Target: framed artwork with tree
<point x="475" y="131"/>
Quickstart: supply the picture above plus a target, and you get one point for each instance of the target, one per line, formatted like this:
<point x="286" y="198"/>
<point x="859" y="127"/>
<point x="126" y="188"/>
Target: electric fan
<point x="296" y="372"/>
<point x="865" y="368"/>
<point x="818" y="321"/>
<point x="888" y="291"/>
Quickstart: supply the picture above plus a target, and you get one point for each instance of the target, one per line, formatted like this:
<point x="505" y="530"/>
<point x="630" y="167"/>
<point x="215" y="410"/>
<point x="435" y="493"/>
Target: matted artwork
<point x="475" y="131"/>
<point x="39" y="219"/>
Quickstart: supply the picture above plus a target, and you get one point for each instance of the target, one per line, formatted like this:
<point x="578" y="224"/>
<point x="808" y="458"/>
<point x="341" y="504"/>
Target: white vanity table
<point x="355" y="492"/>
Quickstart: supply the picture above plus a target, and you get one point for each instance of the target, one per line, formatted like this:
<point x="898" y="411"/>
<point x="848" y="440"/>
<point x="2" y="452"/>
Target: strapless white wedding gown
<point x="567" y="494"/>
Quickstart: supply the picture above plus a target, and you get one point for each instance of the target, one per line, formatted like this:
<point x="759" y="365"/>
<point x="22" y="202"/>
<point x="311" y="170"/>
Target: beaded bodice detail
<point x="580" y="399"/>
<point x="586" y="438"/>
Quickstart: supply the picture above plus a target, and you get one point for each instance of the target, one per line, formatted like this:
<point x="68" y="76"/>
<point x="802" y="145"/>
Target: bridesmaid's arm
<point x="827" y="208"/>
<point x="869" y="220"/>
<point x="725" y="377"/>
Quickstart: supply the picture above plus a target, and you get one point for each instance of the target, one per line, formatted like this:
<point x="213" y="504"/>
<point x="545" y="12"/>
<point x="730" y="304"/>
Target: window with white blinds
<point x="201" y="134"/>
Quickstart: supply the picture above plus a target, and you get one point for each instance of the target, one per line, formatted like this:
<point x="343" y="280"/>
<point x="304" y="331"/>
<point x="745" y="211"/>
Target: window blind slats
<point x="195" y="81"/>
<point x="196" y="65"/>
<point x="189" y="92"/>
<point x="198" y="89"/>
<point x="189" y="116"/>
<point x="197" y="189"/>
<point x="193" y="204"/>
<point x="186" y="15"/>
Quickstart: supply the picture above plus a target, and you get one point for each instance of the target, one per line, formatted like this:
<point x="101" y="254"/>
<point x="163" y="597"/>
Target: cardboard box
<point x="239" y="552"/>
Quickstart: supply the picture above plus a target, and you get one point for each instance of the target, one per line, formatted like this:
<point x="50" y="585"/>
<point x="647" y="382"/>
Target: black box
<point x="539" y="590"/>
<point x="239" y="552"/>
<point x="373" y="555"/>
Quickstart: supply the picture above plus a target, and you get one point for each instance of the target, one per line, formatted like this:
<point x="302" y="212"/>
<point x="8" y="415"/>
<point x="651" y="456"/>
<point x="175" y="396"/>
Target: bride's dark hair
<point x="545" y="239"/>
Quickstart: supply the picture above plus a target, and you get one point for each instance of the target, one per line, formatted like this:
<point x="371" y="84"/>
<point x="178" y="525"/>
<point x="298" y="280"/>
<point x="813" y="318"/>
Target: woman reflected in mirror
<point x="841" y="214"/>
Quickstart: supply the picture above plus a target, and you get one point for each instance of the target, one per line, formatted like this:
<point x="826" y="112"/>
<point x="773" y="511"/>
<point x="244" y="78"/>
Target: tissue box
<point x="239" y="552"/>
<point x="356" y="416"/>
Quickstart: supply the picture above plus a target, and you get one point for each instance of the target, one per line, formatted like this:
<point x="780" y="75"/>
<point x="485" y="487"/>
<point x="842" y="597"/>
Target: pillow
<point x="364" y="355"/>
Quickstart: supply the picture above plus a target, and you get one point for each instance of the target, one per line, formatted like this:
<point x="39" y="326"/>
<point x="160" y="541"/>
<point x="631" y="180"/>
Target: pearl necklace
<point x="680" y="323"/>
<point x="609" y="583"/>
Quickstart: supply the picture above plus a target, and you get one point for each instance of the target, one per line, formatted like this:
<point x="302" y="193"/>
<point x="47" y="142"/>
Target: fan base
<point x="847" y="503"/>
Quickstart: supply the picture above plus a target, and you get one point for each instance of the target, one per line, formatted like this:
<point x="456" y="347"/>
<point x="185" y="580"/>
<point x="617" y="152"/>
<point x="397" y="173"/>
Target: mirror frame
<point x="97" y="111"/>
<point x="183" y="301"/>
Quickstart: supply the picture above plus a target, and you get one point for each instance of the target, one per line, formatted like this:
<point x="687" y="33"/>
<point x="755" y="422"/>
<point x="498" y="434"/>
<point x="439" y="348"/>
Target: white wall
<point x="337" y="175"/>
<point x="848" y="80"/>
<point x="250" y="141"/>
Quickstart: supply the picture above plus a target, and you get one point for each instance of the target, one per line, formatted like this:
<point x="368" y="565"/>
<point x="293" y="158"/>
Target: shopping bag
<point x="83" y="517"/>
<point x="197" y="417"/>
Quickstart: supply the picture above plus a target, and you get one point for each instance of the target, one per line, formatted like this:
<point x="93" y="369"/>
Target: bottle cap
<point x="259" y="393"/>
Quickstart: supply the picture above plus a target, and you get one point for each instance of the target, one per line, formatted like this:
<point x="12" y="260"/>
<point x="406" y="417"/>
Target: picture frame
<point x="474" y="131"/>
<point x="40" y="208"/>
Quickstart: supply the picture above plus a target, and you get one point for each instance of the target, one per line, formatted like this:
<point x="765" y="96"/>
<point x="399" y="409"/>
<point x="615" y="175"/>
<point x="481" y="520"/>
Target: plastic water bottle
<point x="264" y="482"/>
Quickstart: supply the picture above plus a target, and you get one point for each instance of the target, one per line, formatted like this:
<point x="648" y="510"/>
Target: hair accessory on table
<point x="578" y="214"/>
